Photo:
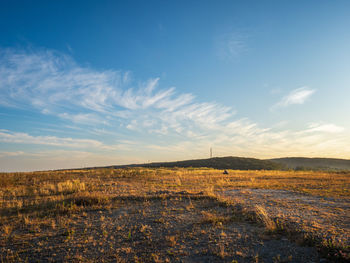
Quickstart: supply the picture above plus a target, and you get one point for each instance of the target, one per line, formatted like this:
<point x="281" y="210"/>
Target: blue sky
<point x="88" y="83"/>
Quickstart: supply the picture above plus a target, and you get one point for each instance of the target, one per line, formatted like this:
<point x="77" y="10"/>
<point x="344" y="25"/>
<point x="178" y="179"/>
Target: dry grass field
<point x="174" y="215"/>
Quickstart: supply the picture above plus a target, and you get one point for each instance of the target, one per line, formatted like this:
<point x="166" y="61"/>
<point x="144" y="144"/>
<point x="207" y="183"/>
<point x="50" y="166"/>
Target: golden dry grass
<point x="38" y="199"/>
<point x="50" y="191"/>
<point x="141" y="180"/>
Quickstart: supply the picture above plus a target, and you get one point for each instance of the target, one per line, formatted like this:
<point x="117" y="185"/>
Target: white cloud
<point x="11" y="154"/>
<point x="132" y="125"/>
<point x="162" y="120"/>
<point x="297" y="96"/>
<point x="53" y="84"/>
<point x="82" y="118"/>
<point x="231" y="45"/>
<point x="327" y="128"/>
<point x="24" y="138"/>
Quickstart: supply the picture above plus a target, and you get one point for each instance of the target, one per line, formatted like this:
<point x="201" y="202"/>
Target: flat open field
<point x="174" y="215"/>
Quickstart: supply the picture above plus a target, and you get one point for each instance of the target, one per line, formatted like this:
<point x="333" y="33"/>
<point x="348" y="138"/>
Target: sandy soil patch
<point x="326" y="218"/>
<point x="172" y="228"/>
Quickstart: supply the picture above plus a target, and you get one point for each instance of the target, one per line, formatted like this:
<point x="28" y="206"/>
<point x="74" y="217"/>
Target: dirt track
<point x="323" y="217"/>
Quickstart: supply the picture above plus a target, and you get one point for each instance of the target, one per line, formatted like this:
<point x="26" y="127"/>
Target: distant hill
<point x="240" y="163"/>
<point x="236" y="163"/>
<point x="300" y="163"/>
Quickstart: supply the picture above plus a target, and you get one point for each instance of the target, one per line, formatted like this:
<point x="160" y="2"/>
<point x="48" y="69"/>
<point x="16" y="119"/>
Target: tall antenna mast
<point x="211" y="152"/>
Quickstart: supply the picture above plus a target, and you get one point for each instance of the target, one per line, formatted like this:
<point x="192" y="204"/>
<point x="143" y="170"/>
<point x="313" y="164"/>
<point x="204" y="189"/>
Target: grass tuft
<point x="263" y="217"/>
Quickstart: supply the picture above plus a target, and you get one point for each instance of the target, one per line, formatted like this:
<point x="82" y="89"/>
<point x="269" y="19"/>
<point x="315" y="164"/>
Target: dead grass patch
<point x="60" y="197"/>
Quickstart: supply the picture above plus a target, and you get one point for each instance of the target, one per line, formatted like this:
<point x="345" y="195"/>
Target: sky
<point x="94" y="83"/>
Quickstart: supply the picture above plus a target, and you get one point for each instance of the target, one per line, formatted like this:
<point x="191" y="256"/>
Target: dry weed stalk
<point x="265" y="218"/>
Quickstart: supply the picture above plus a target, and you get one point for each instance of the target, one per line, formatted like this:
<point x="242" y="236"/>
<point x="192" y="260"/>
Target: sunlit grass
<point x="38" y="200"/>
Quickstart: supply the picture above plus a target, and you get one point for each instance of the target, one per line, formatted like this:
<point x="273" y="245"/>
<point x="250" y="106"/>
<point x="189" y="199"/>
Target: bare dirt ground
<point x="324" y="217"/>
<point x="174" y="228"/>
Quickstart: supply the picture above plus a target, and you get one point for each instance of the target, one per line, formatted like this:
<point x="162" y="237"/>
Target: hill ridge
<point x="316" y="163"/>
<point x="246" y="163"/>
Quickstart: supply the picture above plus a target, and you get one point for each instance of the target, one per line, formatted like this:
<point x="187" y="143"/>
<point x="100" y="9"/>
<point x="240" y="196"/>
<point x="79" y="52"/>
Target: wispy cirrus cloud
<point x="82" y="118"/>
<point x="297" y="96"/>
<point x="54" y="84"/>
<point x="324" y="127"/>
<point x="231" y="45"/>
<point x="138" y="119"/>
<point x="11" y="154"/>
<point x="25" y="138"/>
